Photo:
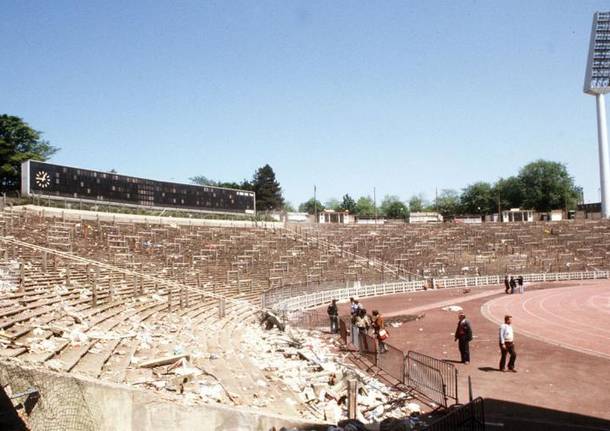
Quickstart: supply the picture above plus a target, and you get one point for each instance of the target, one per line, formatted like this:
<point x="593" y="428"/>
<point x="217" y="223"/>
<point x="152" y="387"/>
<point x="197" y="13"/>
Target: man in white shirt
<point x="507" y="345"/>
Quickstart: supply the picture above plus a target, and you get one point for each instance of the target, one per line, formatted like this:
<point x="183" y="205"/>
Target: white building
<point x="425" y="217"/>
<point x="514" y="215"/>
<point x="332" y="216"/>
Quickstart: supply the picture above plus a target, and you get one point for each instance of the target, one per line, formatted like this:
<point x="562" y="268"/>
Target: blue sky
<point x="405" y="96"/>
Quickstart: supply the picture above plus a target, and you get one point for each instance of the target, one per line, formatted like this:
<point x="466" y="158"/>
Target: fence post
<point x="352" y="399"/>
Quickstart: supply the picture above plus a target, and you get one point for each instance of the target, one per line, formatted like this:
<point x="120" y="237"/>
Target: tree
<point x="18" y="143"/>
<point x="447" y="203"/>
<point x="477" y="198"/>
<point x="333" y="204"/>
<point x="205" y="181"/>
<point x="365" y="207"/>
<point x="547" y="186"/>
<point x="348" y="204"/>
<point x="507" y="193"/>
<point x="267" y="189"/>
<point x="311" y="206"/>
<point x="392" y="207"/>
<point x="288" y="207"/>
<point x="417" y="204"/>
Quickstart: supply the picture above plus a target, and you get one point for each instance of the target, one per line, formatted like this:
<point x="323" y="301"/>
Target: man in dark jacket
<point x="513" y="284"/>
<point x="463" y="335"/>
<point x="506" y="284"/>
<point x="333" y="315"/>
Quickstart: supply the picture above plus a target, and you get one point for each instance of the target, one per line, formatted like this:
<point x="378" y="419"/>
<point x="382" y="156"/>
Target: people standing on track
<point x="380" y="331"/>
<point x="520" y="283"/>
<point x="463" y="335"/>
<point x="333" y="315"/>
<point x="507" y="345"/>
<point x="513" y="284"/>
<point x="354" y="332"/>
<point x="360" y="320"/>
<point x="506" y="284"/>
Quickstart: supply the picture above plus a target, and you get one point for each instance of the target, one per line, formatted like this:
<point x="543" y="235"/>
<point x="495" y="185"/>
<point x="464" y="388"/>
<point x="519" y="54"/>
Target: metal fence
<point x="392" y="362"/>
<point x="469" y="417"/>
<point x="432" y="378"/>
<point x="343" y="324"/>
<point x="308" y="319"/>
<point x="295" y="299"/>
<point x="368" y="347"/>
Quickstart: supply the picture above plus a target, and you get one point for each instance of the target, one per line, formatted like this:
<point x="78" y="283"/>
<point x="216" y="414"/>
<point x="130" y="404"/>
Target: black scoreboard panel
<point x="75" y="183"/>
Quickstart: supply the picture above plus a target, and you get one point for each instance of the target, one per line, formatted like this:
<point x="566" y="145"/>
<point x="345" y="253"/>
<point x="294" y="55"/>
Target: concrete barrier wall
<point x="68" y="403"/>
<point x="71" y="214"/>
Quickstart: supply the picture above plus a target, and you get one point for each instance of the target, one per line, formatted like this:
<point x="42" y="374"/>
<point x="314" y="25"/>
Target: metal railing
<point x="308" y="300"/>
<point x="469" y="417"/>
<point x="435" y="380"/>
<point x="431" y="377"/>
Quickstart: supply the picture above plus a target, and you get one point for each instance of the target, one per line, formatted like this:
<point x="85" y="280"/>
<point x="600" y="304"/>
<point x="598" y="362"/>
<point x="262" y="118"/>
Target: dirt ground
<point x="554" y="388"/>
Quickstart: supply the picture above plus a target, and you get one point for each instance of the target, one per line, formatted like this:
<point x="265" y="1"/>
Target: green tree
<point x="478" y="198"/>
<point x="348" y="204"/>
<point x="288" y="207"/>
<point x="392" y="207"/>
<point x="507" y="193"/>
<point x="205" y="181"/>
<point x="365" y="207"/>
<point x="18" y="143"/>
<point x="417" y="204"/>
<point x="267" y="189"/>
<point x="311" y="206"/>
<point x="547" y="185"/>
<point x="448" y="203"/>
<point x="333" y="204"/>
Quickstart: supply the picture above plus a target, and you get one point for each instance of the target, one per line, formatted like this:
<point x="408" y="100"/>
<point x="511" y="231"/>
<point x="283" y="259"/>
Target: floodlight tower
<point x="597" y="82"/>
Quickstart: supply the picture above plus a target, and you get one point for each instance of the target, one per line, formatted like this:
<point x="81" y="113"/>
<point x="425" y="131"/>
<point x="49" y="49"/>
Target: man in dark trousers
<point x="463" y="335"/>
<point x="507" y="345"/>
<point x="333" y="315"/>
<point x="506" y="284"/>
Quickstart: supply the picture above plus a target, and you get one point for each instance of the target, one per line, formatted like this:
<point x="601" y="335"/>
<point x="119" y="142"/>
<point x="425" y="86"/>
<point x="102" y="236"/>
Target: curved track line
<point x="540" y="309"/>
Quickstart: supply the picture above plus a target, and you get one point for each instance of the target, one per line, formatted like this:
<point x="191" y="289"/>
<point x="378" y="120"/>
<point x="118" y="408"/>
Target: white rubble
<point x="452" y="308"/>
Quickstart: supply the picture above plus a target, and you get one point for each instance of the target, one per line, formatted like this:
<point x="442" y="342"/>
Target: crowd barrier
<point x="433" y="378"/>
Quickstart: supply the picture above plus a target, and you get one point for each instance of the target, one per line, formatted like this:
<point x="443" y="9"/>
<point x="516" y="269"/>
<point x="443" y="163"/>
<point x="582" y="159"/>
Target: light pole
<point x="597" y="83"/>
<point x="375" y="202"/>
<point x="315" y="204"/>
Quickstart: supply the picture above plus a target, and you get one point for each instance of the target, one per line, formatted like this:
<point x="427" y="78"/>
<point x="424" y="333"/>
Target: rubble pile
<point x="315" y="370"/>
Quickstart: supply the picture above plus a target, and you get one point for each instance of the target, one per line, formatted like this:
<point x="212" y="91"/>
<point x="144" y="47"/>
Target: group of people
<point x="511" y="283"/>
<point x="361" y="323"/>
<point x="463" y="335"/>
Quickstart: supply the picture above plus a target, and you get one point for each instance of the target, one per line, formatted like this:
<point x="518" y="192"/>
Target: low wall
<point x="68" y="403"/>
<point x="71" y="214"/>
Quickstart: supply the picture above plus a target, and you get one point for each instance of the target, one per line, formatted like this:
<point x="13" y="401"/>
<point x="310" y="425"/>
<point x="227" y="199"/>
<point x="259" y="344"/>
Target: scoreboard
<point x="68" y="183"/>
<point x="597" y="78"/>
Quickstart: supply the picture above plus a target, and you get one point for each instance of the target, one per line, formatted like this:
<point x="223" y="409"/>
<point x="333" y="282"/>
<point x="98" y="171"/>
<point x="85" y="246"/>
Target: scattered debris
<point x="162" y="361"/>
<point x="452" y="308"/>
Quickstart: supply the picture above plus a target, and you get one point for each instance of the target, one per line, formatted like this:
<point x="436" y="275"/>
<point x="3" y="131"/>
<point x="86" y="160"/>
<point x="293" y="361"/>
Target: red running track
<point x="576" y="318"/>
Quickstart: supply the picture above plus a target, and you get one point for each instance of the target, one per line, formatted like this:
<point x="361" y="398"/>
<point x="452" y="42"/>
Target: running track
<point x="576" y="318"/>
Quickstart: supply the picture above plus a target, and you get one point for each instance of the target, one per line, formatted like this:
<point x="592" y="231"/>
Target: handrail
<point x="303" y="302"/>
